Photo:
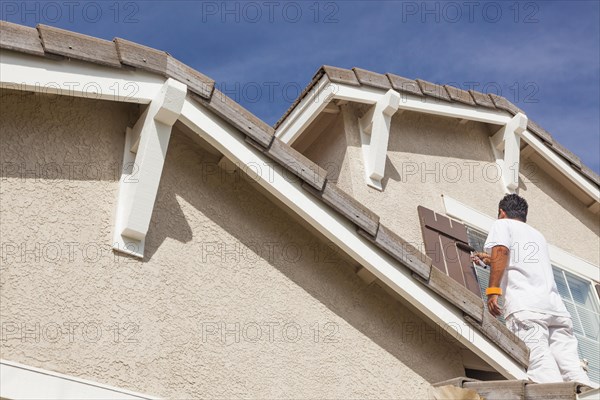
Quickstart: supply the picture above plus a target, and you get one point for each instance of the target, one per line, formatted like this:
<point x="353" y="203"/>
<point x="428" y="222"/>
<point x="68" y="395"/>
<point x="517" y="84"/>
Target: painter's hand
<point x="493" y="305"/>
<point x="481" y="256"/>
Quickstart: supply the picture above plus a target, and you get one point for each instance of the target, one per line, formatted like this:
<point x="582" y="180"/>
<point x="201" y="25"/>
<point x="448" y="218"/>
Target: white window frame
<point x="558" y="257"/>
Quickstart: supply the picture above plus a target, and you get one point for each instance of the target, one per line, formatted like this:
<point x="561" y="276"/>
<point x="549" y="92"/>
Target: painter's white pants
<point x="553" y="355"/>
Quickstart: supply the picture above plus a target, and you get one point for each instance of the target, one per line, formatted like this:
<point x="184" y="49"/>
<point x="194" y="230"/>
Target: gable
<point x="299" y="184"/>
<point x="334" y="86"/>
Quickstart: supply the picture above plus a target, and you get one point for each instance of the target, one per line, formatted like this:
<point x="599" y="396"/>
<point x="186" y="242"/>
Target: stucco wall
<point x="430" y="156"/>
<point x="223" y="263"/>
<point x="563" y="218"/>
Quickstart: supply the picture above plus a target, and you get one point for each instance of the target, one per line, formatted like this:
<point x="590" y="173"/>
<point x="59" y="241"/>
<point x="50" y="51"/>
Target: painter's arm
<point x="498" y="262"/>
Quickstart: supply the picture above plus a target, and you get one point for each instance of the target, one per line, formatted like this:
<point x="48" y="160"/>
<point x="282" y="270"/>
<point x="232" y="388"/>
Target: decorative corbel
<point x="143" y="159"/>
<point x="506" y="144"/>
<point x="374" y="133"/>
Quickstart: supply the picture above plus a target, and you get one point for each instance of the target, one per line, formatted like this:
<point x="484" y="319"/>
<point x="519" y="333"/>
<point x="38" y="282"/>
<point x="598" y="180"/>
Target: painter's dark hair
<point x="514" y="206"/>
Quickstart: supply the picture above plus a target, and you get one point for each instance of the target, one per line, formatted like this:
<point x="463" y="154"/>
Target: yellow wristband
<point x="493" y="290"/>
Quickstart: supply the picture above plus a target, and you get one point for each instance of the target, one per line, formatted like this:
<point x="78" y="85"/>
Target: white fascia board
<point x="558" y="256"/>
<point x="344" y="234"/>
<point x="422" y="104"/>
<point x="306" y="111"/>
<point x="24" y="382"/>
<point x="453" y="110"/>
<point x="560" y="164"/>
<point x="20" y="71"/>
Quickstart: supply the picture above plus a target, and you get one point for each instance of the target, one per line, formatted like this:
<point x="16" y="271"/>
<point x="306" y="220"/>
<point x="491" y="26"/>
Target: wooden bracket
<point x="143" y="159"/>
<point x="506" y="144"/>
<point x="374" y="133"/>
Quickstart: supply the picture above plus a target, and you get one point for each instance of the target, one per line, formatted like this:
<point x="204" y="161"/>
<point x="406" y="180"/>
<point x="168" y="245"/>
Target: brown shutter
<point x="447" y="243"/>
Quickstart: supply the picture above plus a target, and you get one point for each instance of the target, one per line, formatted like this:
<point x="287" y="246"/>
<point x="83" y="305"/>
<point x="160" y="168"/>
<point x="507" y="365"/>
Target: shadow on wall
<point x="419" y="133"/>
<point x="45" y="123"/>
<point x="235" y="206"/>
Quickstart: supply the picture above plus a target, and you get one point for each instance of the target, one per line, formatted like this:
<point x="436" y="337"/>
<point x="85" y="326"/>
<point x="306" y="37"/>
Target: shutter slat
<point x="433" y="249"/>
<point x="468" y="271"/>
<point x="454" y="269"/>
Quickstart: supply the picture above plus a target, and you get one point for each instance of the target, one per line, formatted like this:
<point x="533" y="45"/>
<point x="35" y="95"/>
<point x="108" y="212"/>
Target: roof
<point x="445" y="93"/>
<point x="58" y="44"/>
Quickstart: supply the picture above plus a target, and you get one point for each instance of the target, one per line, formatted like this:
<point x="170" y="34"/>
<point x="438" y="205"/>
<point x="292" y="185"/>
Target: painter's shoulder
<point x="501" y="222"/>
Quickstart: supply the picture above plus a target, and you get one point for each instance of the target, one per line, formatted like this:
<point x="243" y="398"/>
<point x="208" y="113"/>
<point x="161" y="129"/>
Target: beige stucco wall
<point x="430" y="156"/>
<point x="222" y="261"/>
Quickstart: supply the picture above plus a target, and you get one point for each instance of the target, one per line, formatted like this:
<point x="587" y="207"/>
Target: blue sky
<point x="544" y="56"/>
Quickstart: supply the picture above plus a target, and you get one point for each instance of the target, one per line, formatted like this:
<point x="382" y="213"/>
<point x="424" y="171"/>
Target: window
<point x="579" y="297"/>
<point x="582" y="302"/>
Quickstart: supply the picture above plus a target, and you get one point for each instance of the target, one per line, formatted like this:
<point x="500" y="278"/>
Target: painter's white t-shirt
<point x="528" y="282"/>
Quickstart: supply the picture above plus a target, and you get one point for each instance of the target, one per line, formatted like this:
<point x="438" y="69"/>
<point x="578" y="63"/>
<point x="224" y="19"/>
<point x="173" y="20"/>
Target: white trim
<point x="421" y="104"/>
<point x="24" y="382"/>
<point x="306" y="111"/>
<point x="558" y="256"/>
<point x="554" y="159"/>
<point x="20" y="71"/>
<point x="325" y="91"/>
<point x="343" y="233"/>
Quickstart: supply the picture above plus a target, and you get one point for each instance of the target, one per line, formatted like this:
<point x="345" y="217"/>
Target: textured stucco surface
<point x="223" y="263"/>
<point x="429" y="157"/>
<point x="563" y="219"/>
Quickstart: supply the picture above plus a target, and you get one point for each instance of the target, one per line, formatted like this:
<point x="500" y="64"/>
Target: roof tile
<point x="539" y="131"/>
<point x="589" y="173"/>
<point x="405" y="85"/>
<point x="141" y="57"/>
<point x="433" y="90"/>
<point x="239" y="117"/>
<point x="341" y="75"/>
<point x="498" y="333"/>
<point x="503" y="104"/>
<point x="567" y="154"/>
<point x="20" y="38"/>
<point x="348" y="206"/>
<point x="462" y="96"/>
<point x="197" y="82"/>
<point x="482" y="99"/>
<point x="297" y="163"/>
<point x="315" y="79"/>
<point x="78" y="46"/>
<point x="455" y="293"/>
<point x="374" y="79"/>
<point x="401" y="250"/>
